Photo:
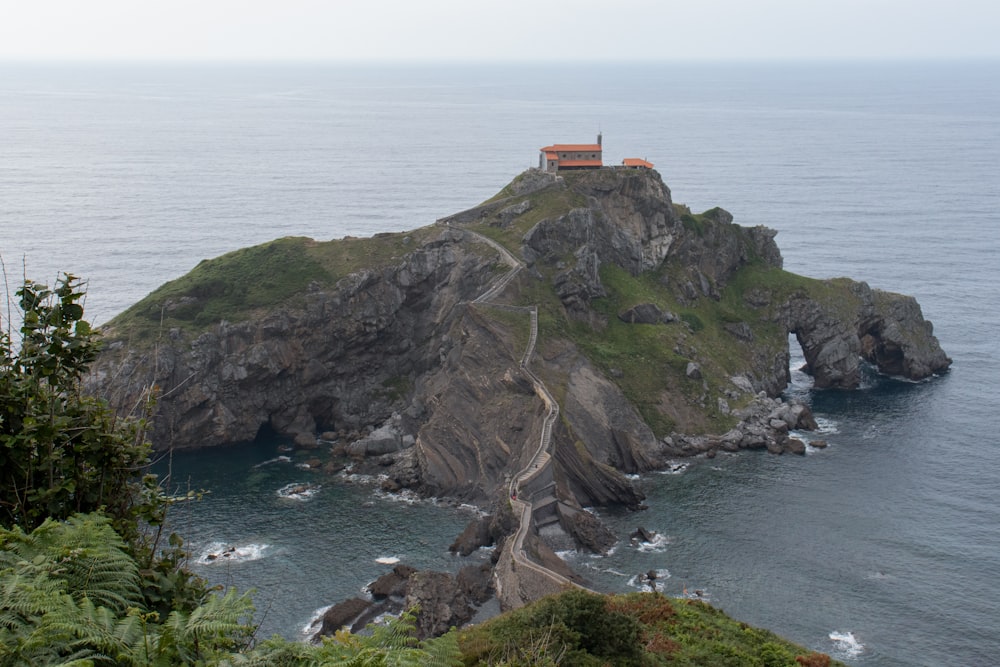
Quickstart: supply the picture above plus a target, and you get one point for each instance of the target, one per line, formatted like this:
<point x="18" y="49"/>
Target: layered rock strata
<point x="396" y="362"/>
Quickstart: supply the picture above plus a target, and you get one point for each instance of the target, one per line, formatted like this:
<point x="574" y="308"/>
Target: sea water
<point x="882" y="548"/>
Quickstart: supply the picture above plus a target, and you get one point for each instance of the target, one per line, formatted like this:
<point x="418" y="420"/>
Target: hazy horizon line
<point x="804" y="61"/>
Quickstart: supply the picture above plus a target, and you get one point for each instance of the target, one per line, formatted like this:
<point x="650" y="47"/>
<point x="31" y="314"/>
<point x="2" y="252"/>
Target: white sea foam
<point x="807" y="438"/>
<point x="357" y="478"/>
<point x="303" y="466"/>
<point x="220" y="552"/>
<point x="276" y="459"/>
<point x="609" y="552"/>
<point x="405" y="496"/>
<point x="674" y="468"/>
<point x="478" y="511"/>
<point x="641" y="582"/>
<point x="827" y="425"/>
<point x="568" y="555"/>
<point x="846" y="645"/>
<point x="314" y="623"/>
<point x="608" y="570"/>
<point x="387" y="560"/>
<point x="657" y="545"/>
<point x="298" y="491"/>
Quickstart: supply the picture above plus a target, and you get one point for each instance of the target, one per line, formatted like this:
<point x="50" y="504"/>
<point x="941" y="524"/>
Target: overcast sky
<point x="513" y="30"/>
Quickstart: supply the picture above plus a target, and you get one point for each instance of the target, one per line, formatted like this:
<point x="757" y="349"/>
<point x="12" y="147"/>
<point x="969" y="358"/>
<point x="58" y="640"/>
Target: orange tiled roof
<point x="637" y="162"/>
<point x="566" y="148"/>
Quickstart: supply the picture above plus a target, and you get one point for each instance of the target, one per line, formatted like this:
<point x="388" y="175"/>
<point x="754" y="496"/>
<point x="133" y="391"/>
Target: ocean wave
<point x="674" y="468"/>
<point x="827" y="425"/>
<point x="605" y="570"/>
<point x="220" y="552"/>
<point x="298" y="491"/>
<point x="478" y="511"/>
<point x="387" y="560"/>
<point x="406" y="496"/>
<point x="358" y="478"/>
<point x="276" y="459"/>
<point x="657" y="545"/>
<point x="846" y="645"/>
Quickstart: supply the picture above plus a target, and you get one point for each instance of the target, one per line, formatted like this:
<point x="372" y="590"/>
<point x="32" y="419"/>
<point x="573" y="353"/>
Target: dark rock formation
<point x="387" y="353"/>
<point x="646" y="313"/>
<point x="640" y="534"/>
<point x="442" y="602"/>
<point x="476" y="534"/>
<point x="343" y="614"/>
<point x="586" y="530"/>
<point x="476" y="581"/>
<point x="392" y="584"/>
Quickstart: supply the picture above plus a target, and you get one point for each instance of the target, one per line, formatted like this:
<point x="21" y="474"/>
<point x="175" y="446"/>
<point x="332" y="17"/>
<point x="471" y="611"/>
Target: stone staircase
<point x="536" y="505"/>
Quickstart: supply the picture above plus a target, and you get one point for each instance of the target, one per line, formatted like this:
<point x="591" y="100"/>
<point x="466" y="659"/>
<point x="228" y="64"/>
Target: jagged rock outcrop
<point x="444" y="600"/>
<point x="885" y="329"/>
<point x="384" y="349"/>
<point x="339" y="361"/>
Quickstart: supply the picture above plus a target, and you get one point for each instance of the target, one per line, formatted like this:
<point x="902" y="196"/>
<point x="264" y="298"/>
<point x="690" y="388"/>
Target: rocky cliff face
<point x="394" y="361"/>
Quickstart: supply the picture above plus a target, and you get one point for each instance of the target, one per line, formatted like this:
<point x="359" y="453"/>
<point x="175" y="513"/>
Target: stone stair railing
<point x="542" y="458"/>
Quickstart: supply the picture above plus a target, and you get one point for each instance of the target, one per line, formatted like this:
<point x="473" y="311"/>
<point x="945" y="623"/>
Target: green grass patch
<point x="649" y="361"/>
<point x="235" y="286"/>
<point x="634" y="629"/>
<point x="550" y="202"/>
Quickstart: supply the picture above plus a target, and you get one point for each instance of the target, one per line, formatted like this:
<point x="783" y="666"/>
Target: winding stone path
<point x="542" y="458"/>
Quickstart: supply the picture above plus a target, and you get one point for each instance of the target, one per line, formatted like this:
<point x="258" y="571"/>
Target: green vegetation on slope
<point x="634" y="630"/>
<point x="236" y="285"/>
<point x="649" y="361"/>
<point x="549" y="202"/>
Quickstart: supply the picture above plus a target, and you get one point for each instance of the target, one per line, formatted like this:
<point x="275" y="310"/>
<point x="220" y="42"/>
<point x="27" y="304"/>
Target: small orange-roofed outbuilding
<point x="636" y="163"/>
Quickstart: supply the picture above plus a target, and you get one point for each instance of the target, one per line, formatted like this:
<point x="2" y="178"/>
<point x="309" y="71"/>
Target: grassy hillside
<point x="636" y="629"/>
<point x="239" y="284"/>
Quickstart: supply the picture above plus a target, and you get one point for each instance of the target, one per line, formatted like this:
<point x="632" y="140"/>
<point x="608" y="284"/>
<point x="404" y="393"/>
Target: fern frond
<point x="85" y="552"/>
<point x="276" y="652"/>
<point x="221" y="616"/>
<point x="398" y="633"/>
<point x="444" y="650"/>
<point x="220" y="623"/>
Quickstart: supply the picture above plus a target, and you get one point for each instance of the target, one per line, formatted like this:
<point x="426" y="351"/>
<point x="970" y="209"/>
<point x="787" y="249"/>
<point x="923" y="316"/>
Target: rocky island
<point x="525" y="355"/>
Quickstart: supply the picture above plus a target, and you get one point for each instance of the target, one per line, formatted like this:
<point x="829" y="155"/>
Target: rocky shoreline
<point x="661" y="334"/>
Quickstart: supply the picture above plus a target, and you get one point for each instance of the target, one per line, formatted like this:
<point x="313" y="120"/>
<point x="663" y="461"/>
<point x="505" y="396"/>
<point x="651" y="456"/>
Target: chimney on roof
<point x="598" y="138"/>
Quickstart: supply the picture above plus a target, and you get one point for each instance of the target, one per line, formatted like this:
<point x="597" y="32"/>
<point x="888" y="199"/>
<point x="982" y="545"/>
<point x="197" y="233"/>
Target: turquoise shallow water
<point x="887" y="540"/>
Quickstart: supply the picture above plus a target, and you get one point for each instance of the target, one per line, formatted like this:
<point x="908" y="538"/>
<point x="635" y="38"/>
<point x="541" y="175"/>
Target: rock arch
<point x="885" y="329"/>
